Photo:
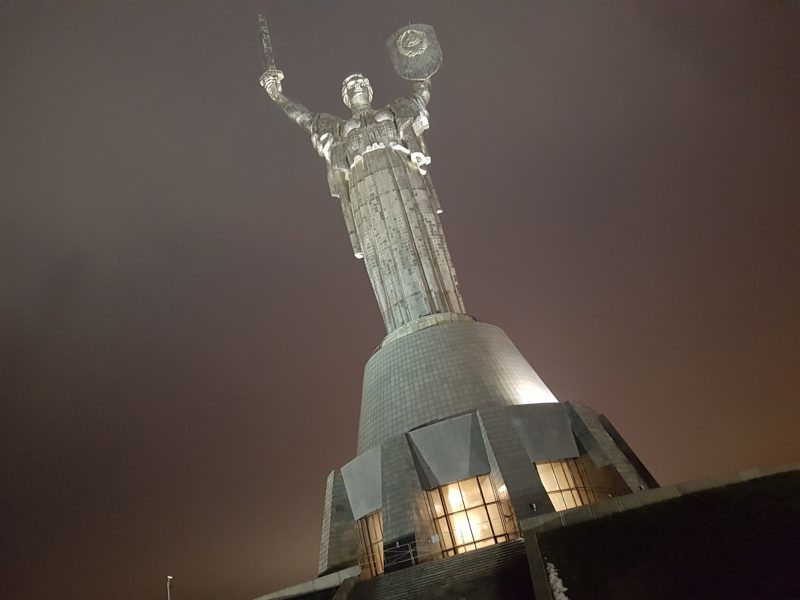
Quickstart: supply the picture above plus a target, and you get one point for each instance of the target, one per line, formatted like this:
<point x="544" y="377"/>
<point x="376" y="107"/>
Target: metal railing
<point x="396" y="557"/>
<point x="401" y="556"/>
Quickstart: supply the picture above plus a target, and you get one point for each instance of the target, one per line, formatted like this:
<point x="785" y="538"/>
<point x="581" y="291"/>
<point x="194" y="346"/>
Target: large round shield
<point x="415" y="52"/>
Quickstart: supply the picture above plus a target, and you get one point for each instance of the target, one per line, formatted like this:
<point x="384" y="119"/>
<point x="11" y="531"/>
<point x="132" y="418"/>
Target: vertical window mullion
<point x="480" y="489"/>
<point x="450" y="528"/>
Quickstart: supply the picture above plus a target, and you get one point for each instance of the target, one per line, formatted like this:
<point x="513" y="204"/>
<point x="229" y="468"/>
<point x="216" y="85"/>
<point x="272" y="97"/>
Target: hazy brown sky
<point x="184" y="327"/>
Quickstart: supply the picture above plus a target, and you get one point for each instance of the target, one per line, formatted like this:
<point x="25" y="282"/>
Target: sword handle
<point x="270" y="80"/>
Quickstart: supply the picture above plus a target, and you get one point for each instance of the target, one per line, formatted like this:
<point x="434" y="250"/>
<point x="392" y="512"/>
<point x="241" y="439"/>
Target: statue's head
<point x="356" y="91"/>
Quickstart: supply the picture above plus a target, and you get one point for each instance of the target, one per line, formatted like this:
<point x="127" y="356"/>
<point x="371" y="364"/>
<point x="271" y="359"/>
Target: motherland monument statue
<point x="468" y="473"/>
<point x="377" y="166"/>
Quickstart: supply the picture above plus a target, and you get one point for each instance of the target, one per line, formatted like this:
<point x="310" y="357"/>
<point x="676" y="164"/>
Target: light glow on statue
<point x="530" y="393"/>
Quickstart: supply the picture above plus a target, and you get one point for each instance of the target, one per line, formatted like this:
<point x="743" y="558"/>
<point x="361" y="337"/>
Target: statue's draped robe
<point x="390" y="207"/>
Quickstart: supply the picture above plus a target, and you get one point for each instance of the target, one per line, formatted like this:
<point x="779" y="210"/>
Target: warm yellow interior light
<point x="469" y="514"/>
<point x="461" y="528"/>
<point x="454" y="496"/>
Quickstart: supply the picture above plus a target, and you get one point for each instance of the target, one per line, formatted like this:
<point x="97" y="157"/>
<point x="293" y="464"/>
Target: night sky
<point x="183" y="325"/>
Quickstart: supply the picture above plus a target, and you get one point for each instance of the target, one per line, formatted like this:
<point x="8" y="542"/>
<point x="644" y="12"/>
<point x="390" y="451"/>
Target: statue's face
<point x="356" y="90"/>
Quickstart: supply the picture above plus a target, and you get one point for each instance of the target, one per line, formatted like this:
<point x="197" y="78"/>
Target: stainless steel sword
<point x="266" y="45"/>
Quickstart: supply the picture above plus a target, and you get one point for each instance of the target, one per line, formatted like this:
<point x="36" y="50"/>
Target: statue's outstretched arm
<point x="271" y="82"/>
<point x="421" y="92"/>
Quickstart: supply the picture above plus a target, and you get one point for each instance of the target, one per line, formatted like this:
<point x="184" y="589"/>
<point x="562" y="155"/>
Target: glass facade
<point x="370" y="534"/>
<point x="567" y="484"/>
<point x="470" y="515"/>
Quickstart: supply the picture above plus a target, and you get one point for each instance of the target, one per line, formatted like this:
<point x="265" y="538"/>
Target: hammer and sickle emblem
<point x="412" y="42"/>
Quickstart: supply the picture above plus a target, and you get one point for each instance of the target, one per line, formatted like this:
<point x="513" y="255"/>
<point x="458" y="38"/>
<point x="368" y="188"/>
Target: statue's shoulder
<point x="405" y="107"/>
<point x="411" y="116"/>
<point x="327" y="123"/>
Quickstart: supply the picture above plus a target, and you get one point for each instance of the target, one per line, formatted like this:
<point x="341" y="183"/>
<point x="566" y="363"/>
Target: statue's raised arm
<point x="421" y="92"/>
<point x="271" y="82"/>
<point x="271" y="79"/>
<point x="416" y="57"/>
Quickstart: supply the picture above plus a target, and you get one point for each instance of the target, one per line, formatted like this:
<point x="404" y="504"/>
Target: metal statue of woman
<point x="377" y="168"/>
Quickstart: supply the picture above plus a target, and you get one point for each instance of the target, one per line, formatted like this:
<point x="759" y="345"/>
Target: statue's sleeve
<point x="411" y="116"/>
<point x="296" y="112"/>
<point x="327" y="139"/>
<point x="411" y="112"/>
<point x="337" y="180"/>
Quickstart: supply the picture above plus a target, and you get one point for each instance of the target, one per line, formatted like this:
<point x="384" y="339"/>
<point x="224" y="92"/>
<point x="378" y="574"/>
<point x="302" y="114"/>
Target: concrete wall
<point x="601" y="448"/>
<point x="525" y="490"/>
<point x="440" y="372"/>
<point x="339" y="546"/>
<point x="502" y="441"/>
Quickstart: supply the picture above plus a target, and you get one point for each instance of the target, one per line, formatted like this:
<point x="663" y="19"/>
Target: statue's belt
<point x="417" y="158"/>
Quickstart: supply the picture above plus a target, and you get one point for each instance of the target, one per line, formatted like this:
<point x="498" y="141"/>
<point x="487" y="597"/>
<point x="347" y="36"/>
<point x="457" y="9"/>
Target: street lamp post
<point x="169" y="586"/>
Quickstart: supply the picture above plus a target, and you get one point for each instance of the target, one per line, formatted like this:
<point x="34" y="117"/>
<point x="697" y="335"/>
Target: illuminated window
<point x="370" y="533"/>
<point x="567" y="484"/>
<point x="470" y="515"/>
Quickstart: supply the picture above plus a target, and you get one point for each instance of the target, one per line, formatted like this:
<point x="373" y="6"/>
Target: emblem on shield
<point x="412" y="42"/>
<point x="415" y="52"/>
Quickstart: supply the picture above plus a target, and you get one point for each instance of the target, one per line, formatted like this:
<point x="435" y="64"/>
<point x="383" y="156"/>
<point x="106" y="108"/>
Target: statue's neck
<point x="361" y="108"/>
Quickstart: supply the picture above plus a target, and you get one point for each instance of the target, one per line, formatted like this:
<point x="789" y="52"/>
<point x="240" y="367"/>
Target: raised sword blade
<point x="266" y="43"/>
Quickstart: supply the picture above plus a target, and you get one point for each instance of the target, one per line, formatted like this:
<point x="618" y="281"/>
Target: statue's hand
<point x="270" y="80"/>
<point x="422" y="90"/>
